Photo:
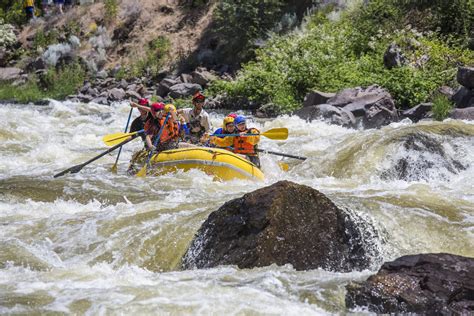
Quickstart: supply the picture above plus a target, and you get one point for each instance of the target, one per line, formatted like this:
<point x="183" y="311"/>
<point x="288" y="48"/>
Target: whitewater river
<point x="102" y="243"/>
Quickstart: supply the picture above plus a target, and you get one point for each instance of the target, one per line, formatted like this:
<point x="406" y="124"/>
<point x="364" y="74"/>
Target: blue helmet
<point x="239" y="119"/>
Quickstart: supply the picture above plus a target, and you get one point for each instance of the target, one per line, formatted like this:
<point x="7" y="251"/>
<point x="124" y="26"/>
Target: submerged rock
<point x="429" y="284"/>
<point x="280" y="224"/>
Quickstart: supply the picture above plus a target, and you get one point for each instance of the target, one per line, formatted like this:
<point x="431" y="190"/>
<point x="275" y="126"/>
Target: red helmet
<point x="143" y="101"/>
<point x="232" y="115"/>
<point x="198" y="96"/>
<point x="157" y="106"/>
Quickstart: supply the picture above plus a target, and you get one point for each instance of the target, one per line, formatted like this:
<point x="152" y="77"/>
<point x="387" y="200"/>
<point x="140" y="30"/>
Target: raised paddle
<point x="280" y="154"/>
<point x="113" y="139"/>
<point x="114" y="167"/>
<point x="142" y="172"/>
<point x="78" y="168"/>
<point x="280" y="133"/>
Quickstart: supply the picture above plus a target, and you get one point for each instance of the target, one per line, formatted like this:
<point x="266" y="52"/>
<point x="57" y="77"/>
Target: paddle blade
<point x="117" y="138"/>
<point x="114" y="168"/>
<point x="276" y="133"/>
<point x="74" y="169"/>
<point x="283" y="166"/>
<point x="142" y="172"/>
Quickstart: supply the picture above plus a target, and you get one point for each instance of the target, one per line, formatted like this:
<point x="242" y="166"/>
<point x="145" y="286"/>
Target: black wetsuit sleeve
<point x="137" y="125"/>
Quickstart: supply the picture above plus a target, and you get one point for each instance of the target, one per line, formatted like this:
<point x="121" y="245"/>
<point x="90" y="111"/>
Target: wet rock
<point x="418" y="112"/>
<point x="463" y="114"/>
<point x="393" y="57"/>
<point x="85" y="97"/>
<point x="116" y="94"/>
<point x="183" y="90"/>
<point x="422" y="156"/>
<point x="427" y="284"/>
<point x="373" y="105"/>
<point x="464" y="98"/>
<point x="10" y="73"/>
<point x="280" y="224"/>
<point x="317" y="97"/>
<point x="267" y="110"/>
<point x="101" y="100"/>
<point x="465" y="77"/>
<point x="332" y="114"/>
<point x="164" y="86"/>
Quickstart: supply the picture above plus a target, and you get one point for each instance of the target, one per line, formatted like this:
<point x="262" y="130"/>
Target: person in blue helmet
<point x="244" y="144"/>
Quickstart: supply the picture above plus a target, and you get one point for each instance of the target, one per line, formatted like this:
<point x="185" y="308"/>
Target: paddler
<point x="196" y="119"/>
<point x="169" y="135"/>
<point x="244" y="144"/>
<point x="138" y="124"/>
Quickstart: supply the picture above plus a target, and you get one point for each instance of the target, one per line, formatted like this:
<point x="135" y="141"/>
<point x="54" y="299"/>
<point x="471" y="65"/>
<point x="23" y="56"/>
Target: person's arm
<point x="138" y="106"/>
<point x="222" y="142"/>
<point x="149" y="143"/>
<point x="254" y="140"/>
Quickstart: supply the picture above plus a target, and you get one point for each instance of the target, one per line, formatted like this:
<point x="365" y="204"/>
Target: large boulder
<point x="373" y="105"/>
<point x="332" y="114"/>
<point x="463" y="98"/>
<point x="427" y="284"/>
<point x="116" y="94"/>
<point x="285" y="223"/>
<point x="317" y="97"/>
<point x="462" y="114"/>
<point x="202" y="77"/>
<point x="418" y="112"/>
<point x="10" y="73"/>
<point x="183" y="90"/>
<point x="164" y="86"/>
<point x="465" y="77"/>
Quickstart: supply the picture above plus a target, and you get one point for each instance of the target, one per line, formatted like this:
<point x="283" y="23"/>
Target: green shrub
<point x="155" y="57"/>
<point x="111" y="10"/>
<point x="330" y="56"/>
<point x="441" y="107"/>
<point x="44" y="38"/>
<point x="55" y="84"/>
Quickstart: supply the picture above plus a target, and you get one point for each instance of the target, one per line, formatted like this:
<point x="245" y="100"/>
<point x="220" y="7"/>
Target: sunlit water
<point x="102" y="243"/>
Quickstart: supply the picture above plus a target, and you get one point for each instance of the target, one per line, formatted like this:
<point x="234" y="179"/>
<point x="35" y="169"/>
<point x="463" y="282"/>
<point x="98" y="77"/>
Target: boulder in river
<point x="374" y="105"/>
<point x="316" y="97"/>
<point x="331" y="113"/>
<point x="463" y="114"/>
<point x="463" y="98"/>
<point x="465" y="77"/>
<point x="428" y="284"/>
<point x="285" y="223"/>
<point x="418" y="112"/>
<point x="183" y="90"/>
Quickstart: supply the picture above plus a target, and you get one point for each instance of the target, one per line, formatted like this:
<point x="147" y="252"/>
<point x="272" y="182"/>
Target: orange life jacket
<point x="170" y="131"/>
<point x="242" y="146"/>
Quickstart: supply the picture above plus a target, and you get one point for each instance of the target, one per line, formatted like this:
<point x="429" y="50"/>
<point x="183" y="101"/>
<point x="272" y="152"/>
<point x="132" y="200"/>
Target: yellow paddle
<point x="280" y="133"/>
<point x="114" y="139"/>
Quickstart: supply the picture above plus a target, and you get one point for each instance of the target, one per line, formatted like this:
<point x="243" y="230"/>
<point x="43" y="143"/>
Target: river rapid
<point x="102" y="243"/>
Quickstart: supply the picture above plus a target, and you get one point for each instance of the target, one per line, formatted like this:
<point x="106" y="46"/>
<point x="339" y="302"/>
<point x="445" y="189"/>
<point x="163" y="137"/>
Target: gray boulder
<point x="374" y="105"/>
<point x="285" y="223"/>
<point x="183" y="90"/>
<point x="116" y="94"/>
<point x="426" y="284"/>
<point x="332" y="114"/>
<point x="463" y="97"/>
<point x="132" y="94"/>
<point x="186" y="78"/>
<point x="202" y="77"/>
<point x="10" y="73"/>
<point x="418" y="112"/>
<point x="465" y="77"/>
<point x="463" y="114"/>
<point x="164" y="86"/>
<point x="100" y="100"/>
<point x="317" y="97"/>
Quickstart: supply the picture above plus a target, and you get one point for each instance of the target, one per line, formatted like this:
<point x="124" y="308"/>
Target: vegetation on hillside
<point x="330" y="55"/>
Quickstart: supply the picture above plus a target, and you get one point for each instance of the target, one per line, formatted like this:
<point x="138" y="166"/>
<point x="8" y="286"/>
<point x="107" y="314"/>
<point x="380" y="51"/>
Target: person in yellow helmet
<point x="29" y="6"/>
<point x="228" y="127"/>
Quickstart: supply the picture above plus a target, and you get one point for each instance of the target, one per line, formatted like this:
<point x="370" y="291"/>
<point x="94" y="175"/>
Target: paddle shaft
<point x="126" y="128"/>
<point x="238" y="134"/>
<point x="157" y="139"/>
<point x="78" y="168"/>
<point x="280" y="154"/>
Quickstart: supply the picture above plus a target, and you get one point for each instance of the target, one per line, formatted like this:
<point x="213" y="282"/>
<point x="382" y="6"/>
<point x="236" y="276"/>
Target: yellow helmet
<point x="170" y="108"/>
<point x="227" y="120"/>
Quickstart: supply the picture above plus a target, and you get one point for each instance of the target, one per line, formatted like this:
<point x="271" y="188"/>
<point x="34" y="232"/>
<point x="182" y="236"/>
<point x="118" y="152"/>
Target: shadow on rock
<point x="285" y="223"/>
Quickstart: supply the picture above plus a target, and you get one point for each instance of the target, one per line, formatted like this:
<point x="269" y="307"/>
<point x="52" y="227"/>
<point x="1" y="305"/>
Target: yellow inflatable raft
<point x="221" y="163"/>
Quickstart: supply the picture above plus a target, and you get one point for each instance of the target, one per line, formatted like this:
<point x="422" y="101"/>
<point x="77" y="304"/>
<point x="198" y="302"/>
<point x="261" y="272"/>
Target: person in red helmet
<point x="169" y="135"/>
<point x="197" y="119"/>
<point x="138" y="124"/>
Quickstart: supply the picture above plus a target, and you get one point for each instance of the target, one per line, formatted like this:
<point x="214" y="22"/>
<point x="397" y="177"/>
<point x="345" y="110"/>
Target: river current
<point x="102" y="243"/>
